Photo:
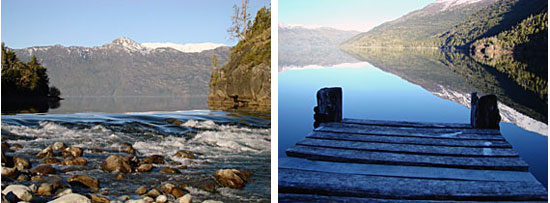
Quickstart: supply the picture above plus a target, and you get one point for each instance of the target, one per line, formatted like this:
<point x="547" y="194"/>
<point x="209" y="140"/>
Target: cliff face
<point x="245" y="81"/>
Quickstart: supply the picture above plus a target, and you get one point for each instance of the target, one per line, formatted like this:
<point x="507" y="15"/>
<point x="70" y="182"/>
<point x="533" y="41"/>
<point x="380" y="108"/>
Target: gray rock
<point x="211" y="201"/>
<point x="161" y="199"/>
<point x="20" y="191"/>
<point x="185" y="199"/>
<point x="72" y="198"/>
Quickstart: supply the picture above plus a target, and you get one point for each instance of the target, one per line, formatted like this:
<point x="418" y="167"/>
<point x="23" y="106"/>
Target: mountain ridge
<point x="125" y="68"/>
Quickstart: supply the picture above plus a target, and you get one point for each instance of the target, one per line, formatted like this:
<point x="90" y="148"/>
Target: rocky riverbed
<point x="149" y="157"/>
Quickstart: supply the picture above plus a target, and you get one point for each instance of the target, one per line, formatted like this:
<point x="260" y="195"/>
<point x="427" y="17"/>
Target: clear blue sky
<point x="28" y="23"/>
<point x="346" y="14"/>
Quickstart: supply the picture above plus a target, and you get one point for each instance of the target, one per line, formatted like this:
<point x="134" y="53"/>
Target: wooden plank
<point x="288" y="197"/>
<point x="371" y="130"/>
<point x="487" y="132"/>
<point x="409" y="140"/>
<point x="404" y="171"/>
<point x="412" y="149"/>
<point x="358" y="156"/>
<point x="405" y="123"/>
<point x="338" y="184"/>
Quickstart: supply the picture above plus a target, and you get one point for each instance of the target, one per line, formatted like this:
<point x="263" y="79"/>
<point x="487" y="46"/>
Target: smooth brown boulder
<point x="144" y="168"/>
<point x="127" y="147"/>
<point x="186" y="154"/>
<point x="59" y="146"/>
<point x="153" y="193"/>
<point x="170" y="170"/>
<point x="84" y="180"/>
<point x="116" y="163"/>
<point x="98" y="199"/>
<point x="141" y="190"/>
<point x="9" y="172"/>
<point x="232" y="178"/>
<point x="21" y="163"/>
<point x="47" y="152"/>
<point x="72" y="151"/>
<point x="51" y="160"/>
<point x="157" y="159"/>
<point x="79" y="161"/>
<point x="43" y="169"/>
<point x="178" y="192"/>
<point x="23" y="177"/>
<point x="45" y="189"/>
<point x="120" y="177"/>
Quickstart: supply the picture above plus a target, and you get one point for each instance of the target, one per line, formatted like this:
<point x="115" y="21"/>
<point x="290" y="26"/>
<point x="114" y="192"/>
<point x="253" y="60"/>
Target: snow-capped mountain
<point x="125" y="67"/>
<point x="188" y="48"/>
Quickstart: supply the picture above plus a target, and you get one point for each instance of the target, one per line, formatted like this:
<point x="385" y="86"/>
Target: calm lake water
<point x="152" y="125"/>
<point x="411" y="85"/>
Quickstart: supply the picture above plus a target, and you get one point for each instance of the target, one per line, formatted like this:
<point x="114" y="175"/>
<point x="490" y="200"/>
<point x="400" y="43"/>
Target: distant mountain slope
<point x="299" y="36"/>
<point x="416" y="27"/>
<point x="126" y="68"/>
<point x="188" y="48"/>
<point x="492" y="20"/>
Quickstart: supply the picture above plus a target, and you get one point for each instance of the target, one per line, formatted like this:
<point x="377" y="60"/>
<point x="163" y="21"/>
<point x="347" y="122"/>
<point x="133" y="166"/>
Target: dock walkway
<point x="362" y="160"/>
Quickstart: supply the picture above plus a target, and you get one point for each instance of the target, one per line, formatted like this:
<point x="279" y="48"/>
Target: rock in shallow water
<point x="78" y="161"/>
<point x="47" y="152"/>
<point x="9" y="172"/>
<point x="185" y="199"/>
<point x="161" y="199"/>
<point x="51" y="160"/>
<point x="87" y="181"/>
<point x="59" y="146"/>
<point x="116" y="163"/>
<point x="233" y="178"/>
<point x="153" y="193"/>
<point x="98" y="199"/>
<point x="170" y="170"/>
<point x="144" y="168"/>
<point x="21" y="163"/>
<point x="141" y="190"/>
<point x="20" y="191"/>
<point x="72" y="151"/>
<point x="45" y="189"/>
<point x="72" y="198"/>
<point x="43" y="169"/>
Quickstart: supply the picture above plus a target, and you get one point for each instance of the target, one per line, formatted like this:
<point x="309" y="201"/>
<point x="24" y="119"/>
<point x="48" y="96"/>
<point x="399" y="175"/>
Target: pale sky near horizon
<point x="27" y="23"/>
<point x="359" y="15"/>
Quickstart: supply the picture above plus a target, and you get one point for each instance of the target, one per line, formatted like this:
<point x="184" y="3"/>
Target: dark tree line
<point x="24" y="78"/>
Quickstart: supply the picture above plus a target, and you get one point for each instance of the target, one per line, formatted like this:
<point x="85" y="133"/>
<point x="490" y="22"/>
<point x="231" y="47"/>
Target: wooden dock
<point x="361" y="160"/>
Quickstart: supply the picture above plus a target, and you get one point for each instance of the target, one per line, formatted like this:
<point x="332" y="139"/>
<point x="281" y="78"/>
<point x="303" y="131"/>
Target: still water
<point x="152" y="126"/>
<point x="411" y="85"/>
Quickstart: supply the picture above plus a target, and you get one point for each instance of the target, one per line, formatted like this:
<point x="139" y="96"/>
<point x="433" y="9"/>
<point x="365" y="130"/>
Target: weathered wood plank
<point x="338" y="184"/>
<point x="370" y="130"/>
<point x="405" y="123"/>
<point x="412" y="149"/>
<point x="409" y="140"/>
<point x="484" y="132"/>
<point x="404" y="171"/>
<point x="287" y="197"/>
<point x="358" y="156"/>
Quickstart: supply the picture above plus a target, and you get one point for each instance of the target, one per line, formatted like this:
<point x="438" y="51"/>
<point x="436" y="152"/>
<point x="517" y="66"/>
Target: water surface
<point x="412" y="85"/>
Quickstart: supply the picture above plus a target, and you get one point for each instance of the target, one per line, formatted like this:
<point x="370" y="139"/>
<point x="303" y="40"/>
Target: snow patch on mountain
<point x="188" y="48"/>
<point x="449" y="4"/>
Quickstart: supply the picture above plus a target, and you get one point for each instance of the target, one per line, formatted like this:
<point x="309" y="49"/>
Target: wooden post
<point x="484" y="112"/>
<point x="329" y="106"/>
